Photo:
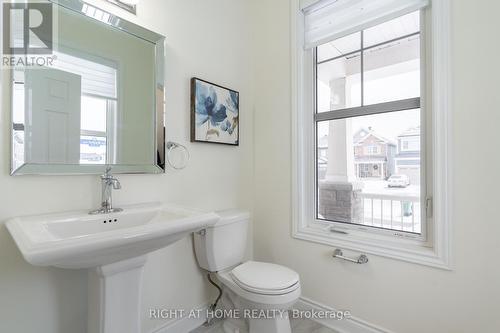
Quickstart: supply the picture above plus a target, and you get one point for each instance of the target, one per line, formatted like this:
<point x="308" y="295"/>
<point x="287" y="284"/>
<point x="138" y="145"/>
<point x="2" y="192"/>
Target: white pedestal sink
<point x="113" y="247"/>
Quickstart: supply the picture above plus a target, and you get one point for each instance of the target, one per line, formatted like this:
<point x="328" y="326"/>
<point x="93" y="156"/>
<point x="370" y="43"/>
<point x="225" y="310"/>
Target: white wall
<point x="208" y="39"/>
<point x="402" y="297"/>
<point x="242" y="44"/>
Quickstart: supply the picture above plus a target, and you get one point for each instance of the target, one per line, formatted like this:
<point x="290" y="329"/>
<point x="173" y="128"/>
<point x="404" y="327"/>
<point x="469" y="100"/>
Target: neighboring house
<point x="373" y="155"/>
<point x="408" y="157"/>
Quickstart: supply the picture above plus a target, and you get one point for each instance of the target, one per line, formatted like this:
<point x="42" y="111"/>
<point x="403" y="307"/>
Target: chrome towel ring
<point x="171" y="146"/>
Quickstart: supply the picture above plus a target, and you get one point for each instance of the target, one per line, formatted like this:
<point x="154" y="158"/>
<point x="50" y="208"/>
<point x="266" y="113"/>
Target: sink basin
<point x="79" y="240"/>
<point x="113" y="246"/>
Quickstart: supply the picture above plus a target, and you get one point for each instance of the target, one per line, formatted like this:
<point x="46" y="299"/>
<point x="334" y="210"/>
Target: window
<point x="370" y="151"/>
<point x="18" y="121"/>
<point x="93" y="134"/>
<point x="99" y="104"/>
<point x="379" y="67"/>
<point x="410" y="143"/>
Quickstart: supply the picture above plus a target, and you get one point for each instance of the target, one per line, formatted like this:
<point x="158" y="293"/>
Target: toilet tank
<point x="223" y="245"/>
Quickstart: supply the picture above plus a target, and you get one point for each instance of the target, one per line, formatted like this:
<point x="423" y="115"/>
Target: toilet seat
<point x="265" y="278"/>
<point x="274" y="300"/>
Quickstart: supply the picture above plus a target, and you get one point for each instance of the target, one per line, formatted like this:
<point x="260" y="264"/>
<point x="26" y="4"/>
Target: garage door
<point x="413" y="173"/>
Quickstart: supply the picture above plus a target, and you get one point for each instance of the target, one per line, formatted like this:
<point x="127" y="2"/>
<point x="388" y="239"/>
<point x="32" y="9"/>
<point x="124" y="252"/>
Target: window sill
<point x="400" y="249"/>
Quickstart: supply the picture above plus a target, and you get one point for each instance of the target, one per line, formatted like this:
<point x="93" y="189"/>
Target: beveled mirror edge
<point x="34" y="169"/>
<point x="158" y="166"/>
<point x="113" y="20"/>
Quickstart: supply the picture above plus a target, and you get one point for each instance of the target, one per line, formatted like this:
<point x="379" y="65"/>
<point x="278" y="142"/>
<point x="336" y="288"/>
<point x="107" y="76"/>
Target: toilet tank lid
<point x="231" y="216"/>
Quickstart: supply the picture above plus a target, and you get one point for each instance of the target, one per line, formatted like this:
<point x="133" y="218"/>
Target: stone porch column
<point x="339" y="198"/>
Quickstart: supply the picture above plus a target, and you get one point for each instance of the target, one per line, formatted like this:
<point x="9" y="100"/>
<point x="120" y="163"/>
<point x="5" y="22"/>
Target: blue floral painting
<point x="214" y="113"/>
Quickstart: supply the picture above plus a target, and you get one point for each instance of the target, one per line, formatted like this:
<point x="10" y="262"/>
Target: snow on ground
<point x="381" y="187"/>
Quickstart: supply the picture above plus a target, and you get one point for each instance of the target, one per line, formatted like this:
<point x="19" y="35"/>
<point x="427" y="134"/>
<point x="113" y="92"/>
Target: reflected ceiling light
<point x="128" y="5"/>
<point x="96" y="13"/>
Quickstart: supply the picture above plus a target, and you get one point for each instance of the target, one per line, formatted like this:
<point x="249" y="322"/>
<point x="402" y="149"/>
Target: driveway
<point x="381" y="187"/>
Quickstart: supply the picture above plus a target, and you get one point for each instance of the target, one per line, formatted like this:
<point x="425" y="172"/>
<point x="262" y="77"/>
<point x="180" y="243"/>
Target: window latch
<point x="429" y="207"/>
<point x="338" y="231"/>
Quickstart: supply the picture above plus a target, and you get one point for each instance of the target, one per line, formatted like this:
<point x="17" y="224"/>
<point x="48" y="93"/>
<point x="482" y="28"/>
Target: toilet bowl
<point x="261" y="292"/>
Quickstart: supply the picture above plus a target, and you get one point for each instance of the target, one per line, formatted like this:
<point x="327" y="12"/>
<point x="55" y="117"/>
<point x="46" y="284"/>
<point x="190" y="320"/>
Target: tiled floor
<point x="298" y="326"/>
<point x="308" y="326"/>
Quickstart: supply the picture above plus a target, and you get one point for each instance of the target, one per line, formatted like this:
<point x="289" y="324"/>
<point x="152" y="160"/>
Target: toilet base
<point x="277" y="322"/>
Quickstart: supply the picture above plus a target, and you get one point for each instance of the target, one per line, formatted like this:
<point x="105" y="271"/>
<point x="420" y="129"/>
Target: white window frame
<point x="111" y="131"/>
<point x="386" y="108"/>
<point x="433" y="250"/>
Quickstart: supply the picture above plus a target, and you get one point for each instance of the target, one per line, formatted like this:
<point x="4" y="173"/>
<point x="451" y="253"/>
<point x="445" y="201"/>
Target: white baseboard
<point x="185" y="324"/>
<point x="346" y="325"/>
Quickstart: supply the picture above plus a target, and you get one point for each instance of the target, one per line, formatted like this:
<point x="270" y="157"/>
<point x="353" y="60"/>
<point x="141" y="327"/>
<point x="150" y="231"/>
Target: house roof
<point x="364" y="133"/>
<point x="412" y="131"/>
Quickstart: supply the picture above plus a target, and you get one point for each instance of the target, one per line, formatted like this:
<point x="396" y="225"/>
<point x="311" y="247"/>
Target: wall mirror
<point x="99" y="103"/>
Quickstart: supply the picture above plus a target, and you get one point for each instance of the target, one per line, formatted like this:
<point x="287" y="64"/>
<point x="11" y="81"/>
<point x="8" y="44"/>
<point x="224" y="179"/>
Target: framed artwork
<point x="214" y="113"/>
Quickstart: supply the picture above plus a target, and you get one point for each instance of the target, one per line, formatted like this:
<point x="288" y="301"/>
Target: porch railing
<point x="395" y="212"/>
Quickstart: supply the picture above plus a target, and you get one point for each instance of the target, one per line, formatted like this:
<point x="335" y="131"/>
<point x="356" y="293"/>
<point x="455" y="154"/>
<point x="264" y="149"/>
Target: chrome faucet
<point x="109" y="183"/>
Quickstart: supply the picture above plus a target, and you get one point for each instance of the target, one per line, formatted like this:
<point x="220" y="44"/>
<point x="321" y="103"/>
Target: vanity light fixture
<point x="128" y="5"/>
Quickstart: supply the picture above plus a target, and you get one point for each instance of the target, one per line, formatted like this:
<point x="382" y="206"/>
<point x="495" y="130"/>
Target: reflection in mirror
<point x="99" y="103"/>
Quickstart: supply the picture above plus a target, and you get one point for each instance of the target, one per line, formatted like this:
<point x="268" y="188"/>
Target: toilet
<point x="262" y="292"/>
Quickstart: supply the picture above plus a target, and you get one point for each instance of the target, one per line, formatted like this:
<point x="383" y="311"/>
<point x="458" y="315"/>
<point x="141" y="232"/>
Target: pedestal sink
<point x="113" y="247"/>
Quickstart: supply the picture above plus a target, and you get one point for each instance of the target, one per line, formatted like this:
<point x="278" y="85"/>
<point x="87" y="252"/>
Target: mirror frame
<point x="158" y="166"/>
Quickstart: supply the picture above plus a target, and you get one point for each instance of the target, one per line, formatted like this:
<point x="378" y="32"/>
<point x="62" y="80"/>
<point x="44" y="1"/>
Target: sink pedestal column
<point x="115" y="297"/>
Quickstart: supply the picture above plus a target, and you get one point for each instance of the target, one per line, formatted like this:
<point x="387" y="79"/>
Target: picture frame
<point x="214" y="113"/>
